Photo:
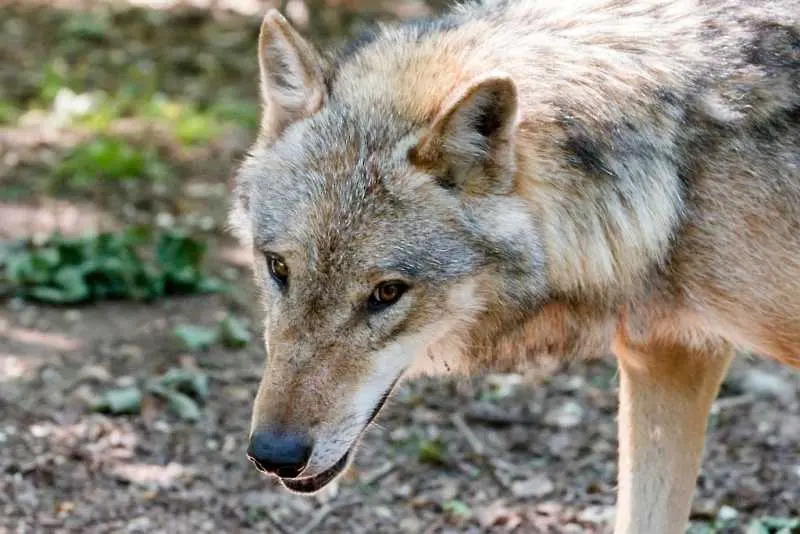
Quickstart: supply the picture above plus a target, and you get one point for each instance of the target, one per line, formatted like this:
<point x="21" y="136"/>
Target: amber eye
<point x="386" y="294"/>
<point x="278" y="269"/>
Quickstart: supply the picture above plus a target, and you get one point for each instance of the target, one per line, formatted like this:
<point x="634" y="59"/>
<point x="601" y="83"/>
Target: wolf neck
<point x="598" y="150"/>
<point x="600" y="122"/>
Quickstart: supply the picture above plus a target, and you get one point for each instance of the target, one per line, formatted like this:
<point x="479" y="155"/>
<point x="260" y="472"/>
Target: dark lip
<point x="317" y="482"/>
<point x="313" y="484"/>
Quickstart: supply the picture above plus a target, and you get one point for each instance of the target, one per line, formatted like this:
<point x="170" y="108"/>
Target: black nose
<point x="282" y="453"/>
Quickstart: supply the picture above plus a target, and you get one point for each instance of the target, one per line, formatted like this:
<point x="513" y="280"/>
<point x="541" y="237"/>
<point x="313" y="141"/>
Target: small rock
<point x="151" y="475"/>
<point x="400" y="434"/>
<point x="549" y="508"/>
<point x="27" y="316"/>
<point x="410" y="524"/>
<point x="207" y="223"/>
<point x="762" y="383"/>
<point x="448" y="491"/>
<point x="727" y="513"/>
<point x="50" y="376"/>
<point x="558" y="444"/>
<point x="404" y="491"/>
<point x="95" y="373"/>
<point x="789" y="430"/>
<point x="140" y="524"/>
<point x="597" y="515"/>
<point x="574" y="383"/>
<point x="536" y="487"/>
<point x="162" y="426"/>
<point x="496" y="514"/>
<point x="229" y="444"/>
<point x="65" y="507"/>
<point x="165" y="220"/>
<point x="256" y="499"/>
<point x="125" y="381"/>
<point x="40" y="431"/>
<point x="384" y="512"/>
<point x="16" y="304"/>
<point x="130" y="352"/>
<point x="85" y="395"/>
<point x="567" y="415"/>
<point x="503" y="385"/>
<point x="72" y="316"/>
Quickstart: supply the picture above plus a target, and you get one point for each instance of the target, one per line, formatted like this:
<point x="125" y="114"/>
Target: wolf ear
<point x="470" y="145"/>
<point x="292" y="84"/>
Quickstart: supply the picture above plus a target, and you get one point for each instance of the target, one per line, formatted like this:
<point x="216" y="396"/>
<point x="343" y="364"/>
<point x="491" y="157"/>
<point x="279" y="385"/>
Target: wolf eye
<point x="278" y="269"/>
<point x="386" y="294"/>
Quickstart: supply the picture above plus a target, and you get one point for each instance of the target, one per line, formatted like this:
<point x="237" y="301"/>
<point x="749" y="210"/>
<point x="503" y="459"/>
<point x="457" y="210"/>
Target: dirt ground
<point x="493" y="454"/>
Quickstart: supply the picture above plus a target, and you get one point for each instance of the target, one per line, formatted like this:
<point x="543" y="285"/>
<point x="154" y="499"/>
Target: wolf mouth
<point x="315" y="483"/>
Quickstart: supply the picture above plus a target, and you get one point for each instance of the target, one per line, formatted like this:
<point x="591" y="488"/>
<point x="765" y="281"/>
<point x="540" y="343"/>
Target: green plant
<point x="54" y="76"/>
<point x="106" y="266"/>
<point x="107" y="159"/>
<point x="188" y="123"/>
<point x="230" y="331"/>
<point x="183" y="390"/>
<point x="8" y="112"/>
<point x="774" y="525"/>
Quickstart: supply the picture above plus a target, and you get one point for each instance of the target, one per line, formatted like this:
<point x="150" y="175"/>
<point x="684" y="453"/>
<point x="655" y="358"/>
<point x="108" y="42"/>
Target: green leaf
<point x="183" y="406"/>
<point x="697" y="527"/>
<point x="189" y="382"/>
<point x="195" y="337"/>
<point x="72" y="270"/>
<point x="108" y="159"/>
<point x="120" y="401"/>
<point x="70" y="280"/>
<point x="457" y="508"/>
<point x="88" y="26"/>
<point x="211" y="285"/>
<point x="234" y="333"/>
<point x="50" y="295"/>
<point x="776" y="525"/>
<point x="432" y="452"/>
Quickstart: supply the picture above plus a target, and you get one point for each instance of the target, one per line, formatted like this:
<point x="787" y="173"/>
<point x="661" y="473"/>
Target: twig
<point x="322" y="514"/>
<point x="274" y="522"/>
<point x="435" y="526"/>
<point x="474" y="443"/>
<point x="377" y="474"/>
<point x="478" y="448"/>
<point x="731" y="402"/>
<point x="498" y="419"/>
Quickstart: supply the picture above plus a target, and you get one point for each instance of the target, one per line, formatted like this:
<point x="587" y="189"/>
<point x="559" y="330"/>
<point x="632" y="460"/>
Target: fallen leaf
<point x="117" y="401"/>
<point x="195" y="337"/>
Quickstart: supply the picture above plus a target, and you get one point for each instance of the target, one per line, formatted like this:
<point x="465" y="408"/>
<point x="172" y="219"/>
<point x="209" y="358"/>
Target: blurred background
<point x="130" y="342"/>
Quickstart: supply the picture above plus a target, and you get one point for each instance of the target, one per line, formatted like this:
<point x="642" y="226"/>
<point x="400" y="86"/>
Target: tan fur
<point x="562" y="178"/>
<point x="666" y="392"/>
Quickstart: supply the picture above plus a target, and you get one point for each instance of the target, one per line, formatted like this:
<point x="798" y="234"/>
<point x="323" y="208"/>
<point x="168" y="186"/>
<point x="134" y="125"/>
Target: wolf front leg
<point x="666" y="392"/>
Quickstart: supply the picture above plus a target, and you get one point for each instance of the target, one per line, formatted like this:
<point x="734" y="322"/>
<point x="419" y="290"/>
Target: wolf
<point x="521" y="178"/>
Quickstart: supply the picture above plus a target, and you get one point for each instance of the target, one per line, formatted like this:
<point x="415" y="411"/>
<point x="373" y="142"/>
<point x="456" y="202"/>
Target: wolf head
<point x="378" y="242"/>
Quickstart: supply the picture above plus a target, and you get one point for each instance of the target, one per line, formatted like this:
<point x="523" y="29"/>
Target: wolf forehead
<point x="336" y="187"/>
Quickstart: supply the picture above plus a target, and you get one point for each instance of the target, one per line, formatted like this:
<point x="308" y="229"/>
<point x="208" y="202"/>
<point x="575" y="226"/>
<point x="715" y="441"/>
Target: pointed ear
<point x="292" y="83"/>
<point x="470" y="145"/>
